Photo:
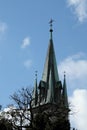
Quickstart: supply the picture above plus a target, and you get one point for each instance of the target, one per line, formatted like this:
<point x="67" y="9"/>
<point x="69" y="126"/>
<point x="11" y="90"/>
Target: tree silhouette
<point x="22" y="99"/>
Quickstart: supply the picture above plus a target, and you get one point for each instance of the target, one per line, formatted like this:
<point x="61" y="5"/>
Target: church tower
<point x="50" y="96"/>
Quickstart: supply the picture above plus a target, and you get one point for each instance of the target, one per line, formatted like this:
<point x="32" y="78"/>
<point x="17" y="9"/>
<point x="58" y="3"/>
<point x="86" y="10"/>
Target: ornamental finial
<point x="64" y="74"/>
<point x="51" y="24"/>
<point x="36" y="74"/>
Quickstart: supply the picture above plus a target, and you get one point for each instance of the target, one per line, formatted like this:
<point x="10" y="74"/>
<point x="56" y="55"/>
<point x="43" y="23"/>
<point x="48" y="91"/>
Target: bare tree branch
<point x="22" y="99"/>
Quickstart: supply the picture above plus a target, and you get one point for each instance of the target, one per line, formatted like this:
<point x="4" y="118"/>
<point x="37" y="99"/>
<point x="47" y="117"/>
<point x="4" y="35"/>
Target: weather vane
<point x="36" y="73"/>
<point x="51" y="21"/>
<point x="64" y="73"/>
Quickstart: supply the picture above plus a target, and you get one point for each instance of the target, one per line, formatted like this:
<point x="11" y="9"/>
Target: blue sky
<point x="24" y="38"/>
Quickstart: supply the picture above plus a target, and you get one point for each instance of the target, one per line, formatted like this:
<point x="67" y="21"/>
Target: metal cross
<point x="36" y="73"/>
<point x="51" y="21"/>
<point x="64" y="73"/>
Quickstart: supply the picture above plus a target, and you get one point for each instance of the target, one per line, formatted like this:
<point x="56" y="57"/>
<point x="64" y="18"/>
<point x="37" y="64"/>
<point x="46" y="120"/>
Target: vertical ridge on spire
<point x="50" y="93"/>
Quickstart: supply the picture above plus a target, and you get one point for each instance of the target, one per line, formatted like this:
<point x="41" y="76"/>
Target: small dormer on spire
<point x="51" y="25"/>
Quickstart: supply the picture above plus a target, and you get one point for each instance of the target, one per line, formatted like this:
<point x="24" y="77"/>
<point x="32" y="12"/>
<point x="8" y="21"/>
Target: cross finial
<point x="51" y="30"/>
<point x="64" y="74"/>
<point x="36" y="74"/>
<point x="51" y="21"/>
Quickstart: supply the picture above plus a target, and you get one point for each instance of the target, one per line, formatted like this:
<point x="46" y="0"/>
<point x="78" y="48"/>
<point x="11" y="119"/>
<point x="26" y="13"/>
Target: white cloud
<point x="75" y="66"/>
<point x="79" y="7"/>
<point x="3" y="27"/>
<point x="28" y="63"/>
<point x="26" y="42"/>
<point x="79" y="108"/>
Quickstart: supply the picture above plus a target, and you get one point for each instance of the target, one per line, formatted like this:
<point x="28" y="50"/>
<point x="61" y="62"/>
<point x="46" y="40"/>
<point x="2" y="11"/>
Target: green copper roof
<point x="50" y="73"/>
<point x="50" y="93"/>
<point x="50" y="64"/>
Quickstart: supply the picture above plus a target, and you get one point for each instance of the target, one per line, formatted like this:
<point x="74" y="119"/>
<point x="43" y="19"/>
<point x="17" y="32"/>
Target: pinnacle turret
<point x="64" y="92"/>
<point x="35" y="92"/>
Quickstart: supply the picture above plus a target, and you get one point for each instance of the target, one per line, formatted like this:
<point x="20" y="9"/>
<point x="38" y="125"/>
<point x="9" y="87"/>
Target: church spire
<point x="50" y="74"/>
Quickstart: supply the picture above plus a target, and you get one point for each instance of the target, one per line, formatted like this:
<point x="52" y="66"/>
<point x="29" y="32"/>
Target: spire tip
<point x="51" y="25"/>
<point x="36" y="74"/>
<point x="64" y="74"/>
